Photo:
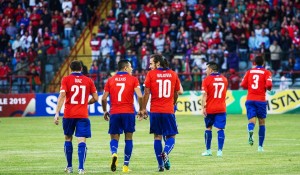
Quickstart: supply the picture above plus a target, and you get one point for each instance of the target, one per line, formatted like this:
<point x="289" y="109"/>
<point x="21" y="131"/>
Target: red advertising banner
<point x="17" y="105"/>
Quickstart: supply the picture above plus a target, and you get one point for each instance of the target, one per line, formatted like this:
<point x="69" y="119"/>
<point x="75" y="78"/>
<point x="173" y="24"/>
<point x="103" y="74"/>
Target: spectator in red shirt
<point x="4" y="71"/>
<point x="233" y="80"/>
<point x="155" y="20"/>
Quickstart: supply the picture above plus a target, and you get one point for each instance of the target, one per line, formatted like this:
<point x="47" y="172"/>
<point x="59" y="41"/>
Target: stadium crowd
<point x="187" y="32"/>
<point x="38" y="32"/>
<point x="191" y="32"/>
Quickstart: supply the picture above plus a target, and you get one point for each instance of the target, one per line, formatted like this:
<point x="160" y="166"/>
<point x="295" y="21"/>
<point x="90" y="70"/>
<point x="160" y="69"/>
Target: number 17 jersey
<point x="215" y="86"/>
<point x="162" y="84"/>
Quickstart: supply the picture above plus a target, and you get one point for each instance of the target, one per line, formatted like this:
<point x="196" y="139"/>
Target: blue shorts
<point x="121" y="122"/>
<point x="81" y="126"/>
<point x="163" y="124"/>
<point x="256" y="109"/>
<point x="218" y="120"/>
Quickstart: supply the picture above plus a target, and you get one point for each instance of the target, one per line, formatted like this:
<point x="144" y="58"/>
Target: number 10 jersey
<point x="162" y="84"/>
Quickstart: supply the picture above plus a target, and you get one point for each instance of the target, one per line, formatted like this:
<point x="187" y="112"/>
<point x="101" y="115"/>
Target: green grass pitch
<point x="34" y="145"/>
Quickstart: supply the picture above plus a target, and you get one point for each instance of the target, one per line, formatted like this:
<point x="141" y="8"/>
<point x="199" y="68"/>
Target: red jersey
<point x="121" y="89"/>
<point x="257" y="81"/>
<point x="78" y="88"/>
<point x="215" y="86"/>
<point x="162" y="84"/>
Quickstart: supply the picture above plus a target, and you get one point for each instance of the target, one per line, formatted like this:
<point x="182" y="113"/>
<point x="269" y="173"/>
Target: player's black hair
<point x="76" y="65"/>
<point x="122" y="64"/>
<point x="159" y="58"/>
<point x="213" y="65"/>
<point x="259" y="61"/>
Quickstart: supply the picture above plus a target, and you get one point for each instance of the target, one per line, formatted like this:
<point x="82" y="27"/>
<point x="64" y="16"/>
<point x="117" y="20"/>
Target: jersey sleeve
<point x="269" y="83"/>
<point x="136" y="82"/>
<point x="93" y="87"/>
<point x="147" y="80"/>
<point x="244" y="83"/>
<point x="106" y="87"/>
<point x="204" y="85"/>
<point x="63" y="87"/>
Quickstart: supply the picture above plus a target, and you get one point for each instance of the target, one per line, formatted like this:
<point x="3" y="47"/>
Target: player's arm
<point x="104" y="105"/>
<point x="94" y="98"/>
<point x="269" y="83"/>
<point x="180" y="92"/>
<point x="139" y="95"/>
<point x="204" y="98"/>
<point x="60" y="102"/>
<point x="244" y="82"/>
<point x="145" y="100"/>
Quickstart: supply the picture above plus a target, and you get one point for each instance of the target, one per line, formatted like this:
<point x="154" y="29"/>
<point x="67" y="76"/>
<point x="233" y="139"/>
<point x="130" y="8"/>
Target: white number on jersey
<point x="218" y="92"/>
<point x="122" y="85"/>
<point x="255" y="82"/>
<point x="76" y="89"/>
<point x="164" y="88"/>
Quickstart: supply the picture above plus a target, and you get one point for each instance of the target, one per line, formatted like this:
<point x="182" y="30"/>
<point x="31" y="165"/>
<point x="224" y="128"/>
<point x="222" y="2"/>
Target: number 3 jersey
<point x="257" y="80"/>
<point x="121" y="89"/>
<point x="162" y="84"/>
<point x="215" y="86"/>
<point x="78" y="88"/>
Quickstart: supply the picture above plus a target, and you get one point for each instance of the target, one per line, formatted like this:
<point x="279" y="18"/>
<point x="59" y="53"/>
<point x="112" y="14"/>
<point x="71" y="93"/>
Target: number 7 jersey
<point x="162" y="84"/>
<point x="215" y="85"/>
<point x="121" y="92"/>
<point x="257" y="81"/>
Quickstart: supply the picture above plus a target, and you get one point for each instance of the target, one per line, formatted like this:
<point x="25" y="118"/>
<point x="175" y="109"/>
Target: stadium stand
<point x="186" y="32"/>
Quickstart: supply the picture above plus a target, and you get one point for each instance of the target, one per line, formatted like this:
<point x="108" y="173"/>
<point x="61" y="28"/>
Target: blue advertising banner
<point x="46" y="105"/>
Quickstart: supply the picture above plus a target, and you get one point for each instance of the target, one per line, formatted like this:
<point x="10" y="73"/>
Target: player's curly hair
<point x="76" y="65"/>
<point x="159" y="58"/>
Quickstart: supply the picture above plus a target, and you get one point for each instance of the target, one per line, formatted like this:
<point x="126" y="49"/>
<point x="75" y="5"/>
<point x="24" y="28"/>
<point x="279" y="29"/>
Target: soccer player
<point x="74" y="92"/>
<point x="163" y="85"/>
<point x="214" y="88"/>
<point x="257" y="80"/>
<point x="121" y="88"/>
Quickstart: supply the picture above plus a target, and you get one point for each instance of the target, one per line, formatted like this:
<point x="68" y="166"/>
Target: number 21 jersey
<point x="162" y="84"/>
<point x="215" y="85"/>
<point x="78" y="88"/>
<point x="257" y="81"/>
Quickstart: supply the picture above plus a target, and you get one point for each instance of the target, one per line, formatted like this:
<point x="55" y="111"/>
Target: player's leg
<point x="68" y="153"/>
<point x="261" y="115"/>
<point x="156" y="129"/>
<point x="115" y="129"/>
<point x="169" y="130"/>
<point x="69" y="128"/>
<point x="220" y="123"/>
<point x="127" y="151"/>
<point x="261" y="134"/>
<point x="128" y="122"/>
<point x="209" y="121"/>
<point x="83" y="131"/>
<point x="82" y="151"/>
<point x="251" y="114"/>
<point x="158" y="150"/>
<point x="114" y="144"/>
